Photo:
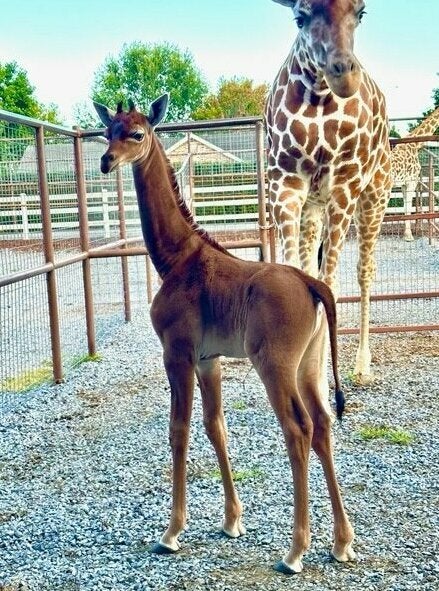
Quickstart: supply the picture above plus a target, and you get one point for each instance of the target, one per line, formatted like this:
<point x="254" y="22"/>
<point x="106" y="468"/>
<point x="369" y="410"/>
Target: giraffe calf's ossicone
<point x="211" y="303"/>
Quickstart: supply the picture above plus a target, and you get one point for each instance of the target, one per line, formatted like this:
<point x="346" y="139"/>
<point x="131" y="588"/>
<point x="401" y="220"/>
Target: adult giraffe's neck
<point x="428" y="126"/>
<point x="169" y="230"/>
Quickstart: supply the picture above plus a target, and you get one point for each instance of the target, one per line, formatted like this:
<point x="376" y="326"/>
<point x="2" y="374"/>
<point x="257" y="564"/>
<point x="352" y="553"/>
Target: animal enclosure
<point x="73" y="265"/>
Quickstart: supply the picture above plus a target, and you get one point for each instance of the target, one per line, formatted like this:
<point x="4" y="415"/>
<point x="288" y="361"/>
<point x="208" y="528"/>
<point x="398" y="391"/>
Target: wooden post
<point x="24" y="216"/>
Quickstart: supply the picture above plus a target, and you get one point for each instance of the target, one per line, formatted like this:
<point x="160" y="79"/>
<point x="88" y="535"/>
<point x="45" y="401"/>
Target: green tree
<point x="143" y="71"/>
<point x="393" y="132"/>
<point x="17" y="94"/>
<point x="237" y="97"/>
<point x="84" y="117"/>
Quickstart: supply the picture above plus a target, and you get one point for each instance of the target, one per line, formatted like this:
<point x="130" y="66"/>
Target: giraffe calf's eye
<point x="137" y="135"/>
<point x="302" y="20"/>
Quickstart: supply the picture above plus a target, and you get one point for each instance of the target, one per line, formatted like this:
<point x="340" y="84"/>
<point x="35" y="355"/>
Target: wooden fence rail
<point x="21" y="214"/>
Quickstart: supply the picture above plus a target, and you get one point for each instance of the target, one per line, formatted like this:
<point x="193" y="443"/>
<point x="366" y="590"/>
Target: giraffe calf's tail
<point x="339" y="403"/>
<point x="322" y="293"/>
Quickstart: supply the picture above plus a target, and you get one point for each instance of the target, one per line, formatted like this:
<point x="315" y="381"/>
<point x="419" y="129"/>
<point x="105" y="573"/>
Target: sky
<point x="61" y="44"/>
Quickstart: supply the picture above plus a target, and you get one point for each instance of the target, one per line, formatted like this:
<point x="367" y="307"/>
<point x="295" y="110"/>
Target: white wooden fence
<point x="20" y="216"/>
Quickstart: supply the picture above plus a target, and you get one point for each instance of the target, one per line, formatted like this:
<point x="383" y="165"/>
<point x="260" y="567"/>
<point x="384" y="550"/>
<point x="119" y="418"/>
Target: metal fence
<point x="73" y="265"/>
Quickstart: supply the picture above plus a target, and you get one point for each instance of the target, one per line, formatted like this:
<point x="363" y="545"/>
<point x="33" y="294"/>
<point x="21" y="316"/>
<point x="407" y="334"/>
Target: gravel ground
<point x="85" y="479"/>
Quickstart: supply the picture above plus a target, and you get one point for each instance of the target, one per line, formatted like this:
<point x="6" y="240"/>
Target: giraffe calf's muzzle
<point x="107" y="162"/>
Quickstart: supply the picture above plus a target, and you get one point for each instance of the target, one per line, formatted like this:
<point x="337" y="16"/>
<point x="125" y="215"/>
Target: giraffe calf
<point x="210" y="304"/>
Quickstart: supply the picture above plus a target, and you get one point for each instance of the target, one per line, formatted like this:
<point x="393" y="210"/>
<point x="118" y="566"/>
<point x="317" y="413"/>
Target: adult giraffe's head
<point x="327" y="28"/>
<point x="129" y="132"/>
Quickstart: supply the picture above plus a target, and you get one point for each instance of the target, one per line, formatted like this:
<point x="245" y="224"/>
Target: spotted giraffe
<point x="406" y="168"/>
<point x="328" y="153"/>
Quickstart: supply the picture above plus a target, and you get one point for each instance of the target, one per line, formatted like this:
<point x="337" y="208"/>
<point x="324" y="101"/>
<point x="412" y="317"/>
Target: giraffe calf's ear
<point x="105" y="115"/>
<point x="289" y="3"/>
<point x="158" y="109"/>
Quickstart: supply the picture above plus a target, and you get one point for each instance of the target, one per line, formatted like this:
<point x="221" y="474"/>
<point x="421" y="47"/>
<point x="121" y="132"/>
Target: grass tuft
<point x="28" y="379"/>
<point x="239" y="475"/>
<point x="96" y="357"/>
<point x="391" y="434"/>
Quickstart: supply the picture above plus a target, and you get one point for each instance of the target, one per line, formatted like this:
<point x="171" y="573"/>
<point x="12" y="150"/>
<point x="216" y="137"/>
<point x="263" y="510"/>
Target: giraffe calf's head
<point x="326" y="30"/>
<point x="129" y="132"/>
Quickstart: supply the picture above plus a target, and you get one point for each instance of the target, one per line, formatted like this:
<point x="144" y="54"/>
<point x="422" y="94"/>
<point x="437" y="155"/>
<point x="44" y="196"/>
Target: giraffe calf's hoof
<point x="160" y="548"/>
<point x="345" y="555"/>
<point x="235" y="531"/>
<point x="283" y="568"/>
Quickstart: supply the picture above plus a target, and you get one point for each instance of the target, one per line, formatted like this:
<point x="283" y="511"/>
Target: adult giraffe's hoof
<point x="283" y="568"/>
<point x="160" y="548"/>
<point x="362" y="379"/>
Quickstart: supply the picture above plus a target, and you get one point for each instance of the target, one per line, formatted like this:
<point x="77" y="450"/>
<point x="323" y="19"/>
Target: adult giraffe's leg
<point x="181" y="375"/>
<point x="209" y="378"/>
<point x="287" y="195"/>
<point x="310" y="237"/>
<point x="336" y="225"/>
<point x="369" y="216"/>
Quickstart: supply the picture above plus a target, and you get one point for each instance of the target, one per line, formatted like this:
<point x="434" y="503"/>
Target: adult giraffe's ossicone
<point x="211" y="303"/>
<point x="329" y="151"/>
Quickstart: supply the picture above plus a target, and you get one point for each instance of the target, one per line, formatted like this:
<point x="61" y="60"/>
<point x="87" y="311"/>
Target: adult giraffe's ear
<point x="105" y="115"/>
<point x="157" y="110"/>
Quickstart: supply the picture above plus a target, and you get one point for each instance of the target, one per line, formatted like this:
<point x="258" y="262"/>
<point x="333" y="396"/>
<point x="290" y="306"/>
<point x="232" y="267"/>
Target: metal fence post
<point x="49" y="254"/>
<point x="262" y="207"/>
<point x="430" y="197"/>
<point x="85" y="245"/>
<point x="123" y="235"/>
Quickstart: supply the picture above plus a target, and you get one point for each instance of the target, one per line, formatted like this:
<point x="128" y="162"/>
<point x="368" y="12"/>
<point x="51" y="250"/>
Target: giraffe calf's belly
<point x="214" y="345"/>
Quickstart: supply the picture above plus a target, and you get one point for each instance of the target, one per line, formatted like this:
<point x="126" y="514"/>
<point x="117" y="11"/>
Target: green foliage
<point x="236" y="97"/>
<point x="394" y="132"/>
<point x="239" y="475"/>
<point x="17" y="96"/>
<point x="80" y="359"/>
<point x="390" y="434"/>
<point x="84" y="117"/>
<point x="239" y="405"/>
<point x="144" y="71"/>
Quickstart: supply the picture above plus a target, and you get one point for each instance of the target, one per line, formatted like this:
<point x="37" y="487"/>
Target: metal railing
<point x="70" y="273"/>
